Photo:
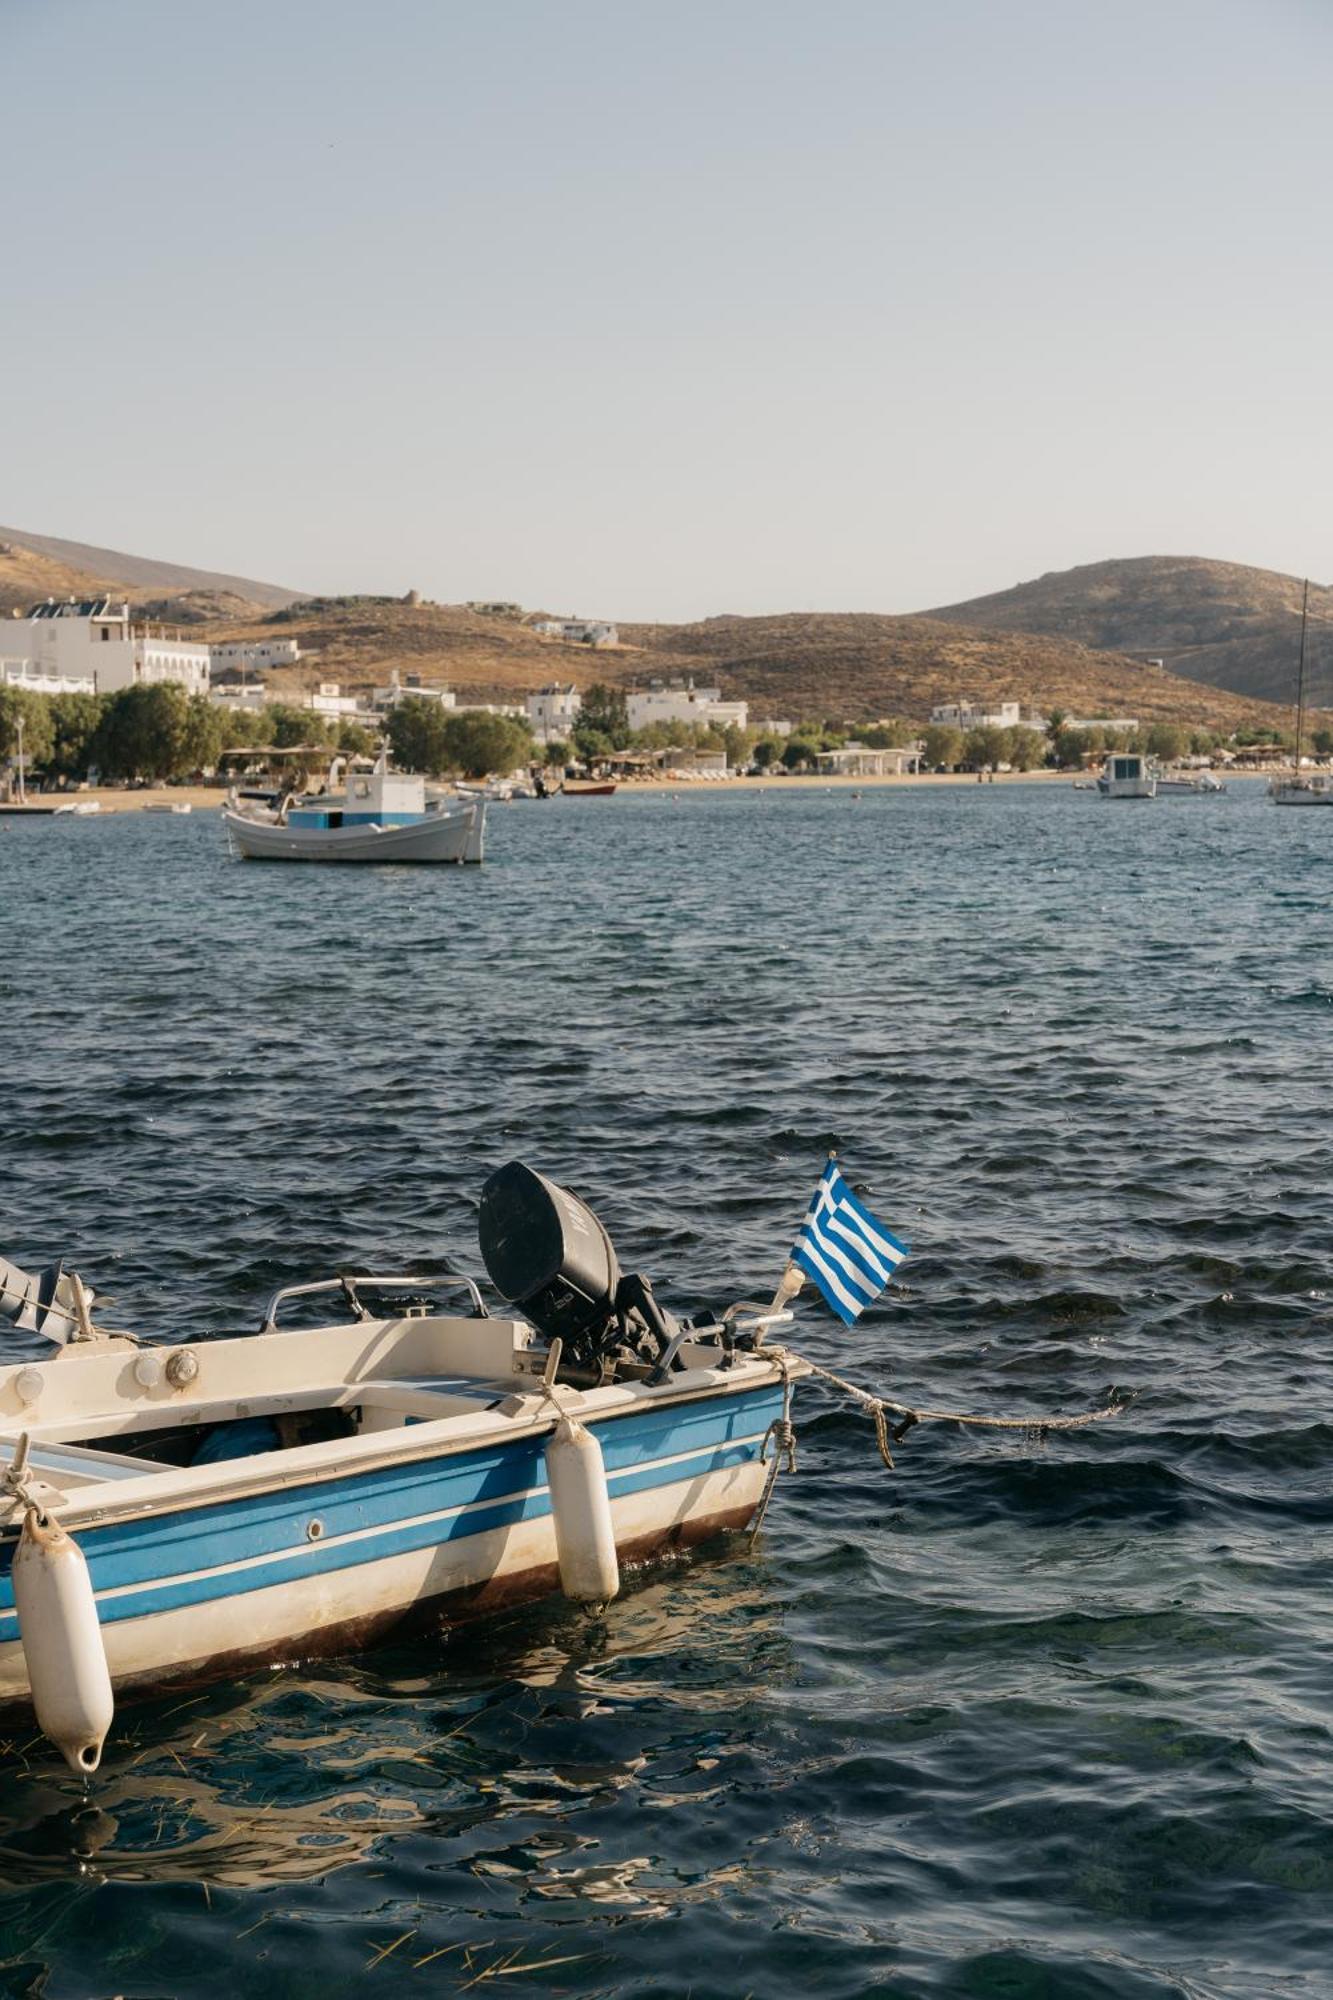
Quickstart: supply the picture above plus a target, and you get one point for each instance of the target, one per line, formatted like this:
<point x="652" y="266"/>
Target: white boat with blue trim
<point x="170" y="1512"/>
<point x="380" y="815"/>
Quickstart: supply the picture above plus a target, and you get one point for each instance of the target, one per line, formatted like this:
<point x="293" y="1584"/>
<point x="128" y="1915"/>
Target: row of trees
<point x="152" y="731"/>
<point x="426" y="737"/>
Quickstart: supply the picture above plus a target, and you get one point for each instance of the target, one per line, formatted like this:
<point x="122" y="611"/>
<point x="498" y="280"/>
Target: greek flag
<point x="846" y="1250"/>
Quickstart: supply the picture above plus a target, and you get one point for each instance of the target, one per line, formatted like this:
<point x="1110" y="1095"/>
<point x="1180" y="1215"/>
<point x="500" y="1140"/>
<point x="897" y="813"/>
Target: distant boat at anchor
<point x="1296" y="789"/>
<point x="379" y="816"/>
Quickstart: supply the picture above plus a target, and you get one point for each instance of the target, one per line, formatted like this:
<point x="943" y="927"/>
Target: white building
<point x="401" y="686"/>
<point x="255" y="656"/>
<point x="971" y="715"/>
<point x="553" y="711"/>
<point x="856" y="760"/>
<point x="77" y="641"/>
<point x="684" y="702"/>
<point x="578" y="631"/>
<point x="238" y="697"/>
<point x="1125" y="722"/>
<point x="329" y="699"/>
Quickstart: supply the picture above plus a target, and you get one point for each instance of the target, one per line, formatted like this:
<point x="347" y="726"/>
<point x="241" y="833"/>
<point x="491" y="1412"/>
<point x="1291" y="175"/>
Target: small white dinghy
<point x="176" y="1511"/>
<point x="379" y="816"/>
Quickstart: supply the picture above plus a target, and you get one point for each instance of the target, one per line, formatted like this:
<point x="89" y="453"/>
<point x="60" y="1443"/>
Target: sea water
<point x="1016" y="1719"/>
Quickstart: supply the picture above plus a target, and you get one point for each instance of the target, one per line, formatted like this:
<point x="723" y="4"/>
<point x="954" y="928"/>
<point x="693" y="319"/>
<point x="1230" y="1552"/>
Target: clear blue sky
<point x="669" y="307"/>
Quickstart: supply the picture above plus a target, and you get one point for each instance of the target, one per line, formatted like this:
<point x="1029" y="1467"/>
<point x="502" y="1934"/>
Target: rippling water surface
<point x="1011" y="1721"/>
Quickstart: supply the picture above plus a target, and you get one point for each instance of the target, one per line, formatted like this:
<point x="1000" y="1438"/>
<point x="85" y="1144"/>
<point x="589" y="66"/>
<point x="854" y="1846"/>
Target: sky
<point x="642" y="309"/>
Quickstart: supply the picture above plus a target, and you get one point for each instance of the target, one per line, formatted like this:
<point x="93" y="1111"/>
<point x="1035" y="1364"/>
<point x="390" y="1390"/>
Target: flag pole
<point x="789" y="1284"/>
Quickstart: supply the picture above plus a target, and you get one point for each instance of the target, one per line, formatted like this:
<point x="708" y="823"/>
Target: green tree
<point x="555" y="756"/>
<point x="205" y="734"/>
<point x="943" y="746"/>
<point x="153" y="730"/>
<point x="289" y="726"/>
<point x="242" y="726"/>
<point x="1025" y="748"/>
<point x="984" y="748"/>
<point x="606" y="708"/>
<point x="1072" y="746"/>
<point x="1167" y="740"/>
<point x="75" y="719"/>
<point x="591" y="744"/>
<point x="34" y="711"/>
<point x="355" y="740"/>
<point x="892" y="734"/>
<point x="477" y="744"/>
<point x="798" y="752"/>
<point x="416" y="734"/>
<point x="1321" y="742"/>
<point x="767" y="751"/>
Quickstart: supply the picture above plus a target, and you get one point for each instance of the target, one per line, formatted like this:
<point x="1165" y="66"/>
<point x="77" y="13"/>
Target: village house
<point x="87" y="645"/>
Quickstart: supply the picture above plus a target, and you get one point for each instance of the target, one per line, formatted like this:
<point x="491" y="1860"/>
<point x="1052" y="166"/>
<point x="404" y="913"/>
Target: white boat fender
<point x="585" y="1539"/>
<point x="62" y="1642"/>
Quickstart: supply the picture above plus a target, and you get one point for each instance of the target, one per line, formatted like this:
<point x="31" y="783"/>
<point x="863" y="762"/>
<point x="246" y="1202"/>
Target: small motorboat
<point x="380" y="815"/>
<point x="588" y="788"/>
<point x="167" y="807"/>
<point x="1126" y="775"/>
<point x="1196" y="784"/>
<point x="174" y="1511"/>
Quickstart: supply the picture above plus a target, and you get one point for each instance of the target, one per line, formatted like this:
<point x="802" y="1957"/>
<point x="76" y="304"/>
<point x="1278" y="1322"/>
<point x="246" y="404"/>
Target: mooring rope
<point x="878" y="1406"/>
<point x="781" y="1434"/>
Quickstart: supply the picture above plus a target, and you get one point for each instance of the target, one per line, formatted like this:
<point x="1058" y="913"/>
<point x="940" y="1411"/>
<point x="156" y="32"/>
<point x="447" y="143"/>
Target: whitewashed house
<point x="254" y="656"/>
<point x="684" y="702"/>
<point x="973" y="715"/>
<point x="553" y="711"/>
<point x="80" y="641"/>
<point x="578" y="631"/>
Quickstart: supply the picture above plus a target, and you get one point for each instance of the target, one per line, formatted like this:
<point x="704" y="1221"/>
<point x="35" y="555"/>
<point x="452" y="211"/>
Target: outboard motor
<point x="547" y="1253"/>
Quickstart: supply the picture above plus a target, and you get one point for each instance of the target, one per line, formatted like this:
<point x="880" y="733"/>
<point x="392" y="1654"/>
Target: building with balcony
<point x="75" y="641"/>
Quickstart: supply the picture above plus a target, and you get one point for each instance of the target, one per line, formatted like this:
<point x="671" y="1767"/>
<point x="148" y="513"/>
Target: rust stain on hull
<point x="440" y="1611"/>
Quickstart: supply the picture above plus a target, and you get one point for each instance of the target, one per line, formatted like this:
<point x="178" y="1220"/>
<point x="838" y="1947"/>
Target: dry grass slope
<point x="800" y="665"/>
<point x="1221" y="623"/>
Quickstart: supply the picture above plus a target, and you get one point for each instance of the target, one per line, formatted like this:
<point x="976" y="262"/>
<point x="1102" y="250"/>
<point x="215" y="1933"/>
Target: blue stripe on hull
<point x="267" y="1531"/>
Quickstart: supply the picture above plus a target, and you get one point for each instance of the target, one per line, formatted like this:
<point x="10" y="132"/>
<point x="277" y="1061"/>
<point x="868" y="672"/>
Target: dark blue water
<point x="1010" y="1722"/>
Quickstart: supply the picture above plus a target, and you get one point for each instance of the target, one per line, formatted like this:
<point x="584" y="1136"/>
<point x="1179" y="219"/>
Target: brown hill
<point x="142" y="576"/>
<point x="864" y="664"/>
<point x="1221" y="623"/>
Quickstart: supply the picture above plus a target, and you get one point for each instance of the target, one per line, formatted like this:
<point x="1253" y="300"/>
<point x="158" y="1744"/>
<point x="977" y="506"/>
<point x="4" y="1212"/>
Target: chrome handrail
<point x="347" y="1282"/>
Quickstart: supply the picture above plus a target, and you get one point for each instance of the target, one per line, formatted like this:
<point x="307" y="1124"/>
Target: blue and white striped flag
<point x="846" y="1250"/>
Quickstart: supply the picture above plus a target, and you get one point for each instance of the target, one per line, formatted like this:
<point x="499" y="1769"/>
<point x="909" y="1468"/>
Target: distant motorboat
<point x="1127" y="775"/>
<point x="380" y="816"/>
<point x="168" y="808"/>
<point x="584" y="788"/>
<point x="1200" y="783"/>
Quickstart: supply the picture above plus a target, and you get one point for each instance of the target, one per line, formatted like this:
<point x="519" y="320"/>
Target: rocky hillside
<point x="800" y="665"/>
<point x="1220" y="623"/>
<point x="133" y="576"/>
<point x="862" y="664"/>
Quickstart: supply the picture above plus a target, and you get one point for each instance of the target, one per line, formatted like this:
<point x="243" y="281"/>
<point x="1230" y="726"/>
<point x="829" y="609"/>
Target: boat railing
<point x="348" y="1282"/>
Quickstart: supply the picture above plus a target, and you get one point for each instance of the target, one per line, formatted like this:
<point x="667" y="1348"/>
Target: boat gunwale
<point x="176" y="1489"/>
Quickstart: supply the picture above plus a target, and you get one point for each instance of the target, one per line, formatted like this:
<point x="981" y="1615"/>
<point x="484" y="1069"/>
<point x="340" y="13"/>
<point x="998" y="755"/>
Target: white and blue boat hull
<point x="205" y="1569"/>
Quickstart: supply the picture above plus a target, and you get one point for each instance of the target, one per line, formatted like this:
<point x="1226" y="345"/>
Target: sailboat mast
<point x="1300" y="677"/>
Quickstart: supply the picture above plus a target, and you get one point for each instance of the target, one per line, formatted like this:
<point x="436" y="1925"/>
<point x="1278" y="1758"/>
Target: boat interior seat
<point x="70" y="1465"/>
<point x="387" y="1402"/>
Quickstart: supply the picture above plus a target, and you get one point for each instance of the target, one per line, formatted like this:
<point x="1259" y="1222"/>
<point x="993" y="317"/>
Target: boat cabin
<point x="370" y="798"/>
